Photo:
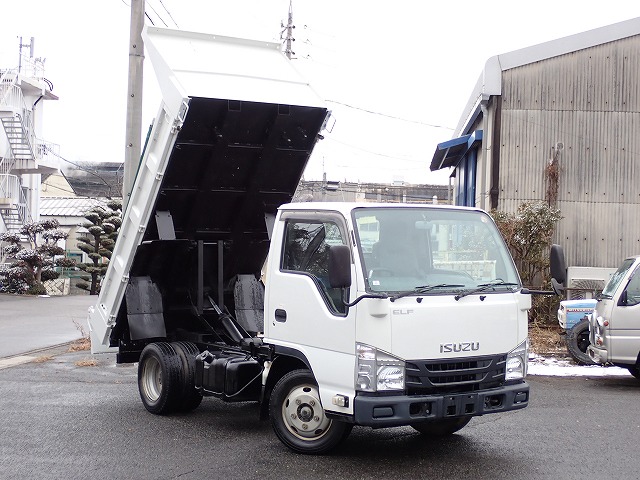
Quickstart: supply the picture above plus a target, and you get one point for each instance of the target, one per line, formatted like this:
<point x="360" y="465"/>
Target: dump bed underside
<point x="232" y="163"/>
<point x="234" y="133"/>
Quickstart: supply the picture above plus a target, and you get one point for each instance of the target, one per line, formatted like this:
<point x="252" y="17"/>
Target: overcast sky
<point x="395" y="74"/>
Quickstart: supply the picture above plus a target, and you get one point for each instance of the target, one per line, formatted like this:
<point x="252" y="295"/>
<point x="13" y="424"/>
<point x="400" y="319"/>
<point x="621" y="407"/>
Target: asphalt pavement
<point x="29" y="323"/>
<point x="79" y="416"/>
<point x="75" y="415"/>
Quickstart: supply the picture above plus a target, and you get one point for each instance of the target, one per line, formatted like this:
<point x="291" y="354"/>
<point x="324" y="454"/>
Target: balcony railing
<point x="13" y="194"/>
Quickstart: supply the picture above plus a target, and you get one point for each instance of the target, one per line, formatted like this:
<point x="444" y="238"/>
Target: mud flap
<point x="144" y="309"/>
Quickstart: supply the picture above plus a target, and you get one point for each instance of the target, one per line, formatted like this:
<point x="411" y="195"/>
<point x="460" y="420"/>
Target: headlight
<point x="517" y="362"/>
<point x="377" y="371"/>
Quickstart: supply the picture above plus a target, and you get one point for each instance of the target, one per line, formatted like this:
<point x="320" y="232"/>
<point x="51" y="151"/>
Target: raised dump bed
<point x="232" y="137"/>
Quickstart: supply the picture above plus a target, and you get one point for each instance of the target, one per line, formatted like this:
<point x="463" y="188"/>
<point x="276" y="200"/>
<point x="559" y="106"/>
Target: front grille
<point x="456" y="375"/>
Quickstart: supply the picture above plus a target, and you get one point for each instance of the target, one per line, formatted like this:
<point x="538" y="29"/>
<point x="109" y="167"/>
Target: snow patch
<point x="556" y="367"/>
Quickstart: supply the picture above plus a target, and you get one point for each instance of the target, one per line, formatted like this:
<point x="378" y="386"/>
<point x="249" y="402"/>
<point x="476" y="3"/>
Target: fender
<point x="285" y="359"/>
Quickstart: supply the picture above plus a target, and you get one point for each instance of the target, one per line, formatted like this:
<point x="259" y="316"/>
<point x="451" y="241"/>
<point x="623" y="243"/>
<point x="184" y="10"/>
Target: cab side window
<point x="306" y="250"/>
<point x="633" y="290"/>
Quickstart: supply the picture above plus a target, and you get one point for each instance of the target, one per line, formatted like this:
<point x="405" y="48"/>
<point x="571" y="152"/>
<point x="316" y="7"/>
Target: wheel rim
<point x="583" y="341"/>
<point x="303" y="414"/>
<point x="152" y="379"/>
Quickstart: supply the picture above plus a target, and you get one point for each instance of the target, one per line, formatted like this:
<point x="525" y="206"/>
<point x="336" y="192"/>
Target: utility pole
<point x="288" y="38"/>
<point x="134" y="100"/>
<point x="30" y="45"/>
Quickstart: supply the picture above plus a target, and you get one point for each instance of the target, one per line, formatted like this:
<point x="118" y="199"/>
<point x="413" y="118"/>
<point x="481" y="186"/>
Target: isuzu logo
<point x="459" y="347"/>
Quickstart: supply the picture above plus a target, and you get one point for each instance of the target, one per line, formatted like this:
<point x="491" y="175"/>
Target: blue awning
<point x="449" y="153"/>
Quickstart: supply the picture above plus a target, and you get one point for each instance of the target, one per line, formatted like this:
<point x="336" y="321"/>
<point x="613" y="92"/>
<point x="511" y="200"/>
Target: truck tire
<point x="578" y="341"/>
<point x="634" y="370"/>
<point x="160" y="378"/>
<point x="297" y="416"/>
<point x="190" y="397"/>
<point x="442" y="427"/>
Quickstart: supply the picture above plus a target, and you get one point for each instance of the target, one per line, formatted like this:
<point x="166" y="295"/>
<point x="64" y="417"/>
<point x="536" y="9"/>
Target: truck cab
<point x="413" y="335"/>
<point x="614" y="325"/>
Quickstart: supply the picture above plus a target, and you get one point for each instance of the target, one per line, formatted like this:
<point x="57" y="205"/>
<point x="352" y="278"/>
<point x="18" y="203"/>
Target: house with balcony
<point x="24" y="155"/>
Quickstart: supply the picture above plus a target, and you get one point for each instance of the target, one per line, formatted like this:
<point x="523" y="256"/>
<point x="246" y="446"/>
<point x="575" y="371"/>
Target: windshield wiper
<point x="482" y="287"/>
<point x="424" y="289"/>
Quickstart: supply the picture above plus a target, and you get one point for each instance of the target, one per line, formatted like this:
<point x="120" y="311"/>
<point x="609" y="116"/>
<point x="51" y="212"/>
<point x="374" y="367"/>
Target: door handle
<point x="281" y="315"/>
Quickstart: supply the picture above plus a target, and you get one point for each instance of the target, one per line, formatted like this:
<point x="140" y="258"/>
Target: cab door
<point x="301" y="306"/>
<point x="304" y="316"/>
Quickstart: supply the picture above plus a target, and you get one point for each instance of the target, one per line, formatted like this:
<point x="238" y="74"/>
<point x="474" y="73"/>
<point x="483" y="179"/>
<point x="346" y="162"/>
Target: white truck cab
<point x="377" y="315"/>
<point x="428" y="290"/>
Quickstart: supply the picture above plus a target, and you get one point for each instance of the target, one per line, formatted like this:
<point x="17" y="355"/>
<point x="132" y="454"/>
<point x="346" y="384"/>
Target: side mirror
<point x="558" y="269"/>
<point x="339" y="266"/>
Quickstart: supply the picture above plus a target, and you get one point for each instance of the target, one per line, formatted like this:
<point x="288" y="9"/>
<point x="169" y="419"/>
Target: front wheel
<point x="441" y="428"/>
<point x="297" y="416"/>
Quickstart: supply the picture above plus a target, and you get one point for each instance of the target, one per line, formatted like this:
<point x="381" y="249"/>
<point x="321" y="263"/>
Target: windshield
<point x="612" y="285"/>
<point x="432" y="251"/>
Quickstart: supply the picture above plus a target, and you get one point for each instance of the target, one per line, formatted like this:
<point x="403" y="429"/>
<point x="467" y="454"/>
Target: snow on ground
<point x="559" y="367"/>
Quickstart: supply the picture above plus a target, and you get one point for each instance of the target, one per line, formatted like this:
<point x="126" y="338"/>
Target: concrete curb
<point x="32" y="355"/>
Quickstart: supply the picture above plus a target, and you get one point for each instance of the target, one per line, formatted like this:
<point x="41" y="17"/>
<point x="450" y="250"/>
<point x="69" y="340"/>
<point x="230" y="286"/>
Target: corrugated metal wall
<point x="589" y="101"/>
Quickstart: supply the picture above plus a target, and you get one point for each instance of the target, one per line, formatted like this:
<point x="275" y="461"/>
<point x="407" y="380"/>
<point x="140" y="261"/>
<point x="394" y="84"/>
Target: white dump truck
<point x="327" y="315"/>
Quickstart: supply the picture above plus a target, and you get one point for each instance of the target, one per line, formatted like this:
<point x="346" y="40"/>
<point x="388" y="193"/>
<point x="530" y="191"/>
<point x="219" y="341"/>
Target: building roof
<point x="69" y="206"/>
<point x="490" y="81"/>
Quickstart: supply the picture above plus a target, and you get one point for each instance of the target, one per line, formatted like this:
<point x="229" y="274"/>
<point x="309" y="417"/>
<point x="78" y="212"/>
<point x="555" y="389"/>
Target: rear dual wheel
<point x="166" y="377"/>
<point x="190" y="397"/>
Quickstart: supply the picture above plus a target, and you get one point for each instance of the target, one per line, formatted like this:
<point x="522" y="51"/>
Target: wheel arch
<point x="286" y="360"/>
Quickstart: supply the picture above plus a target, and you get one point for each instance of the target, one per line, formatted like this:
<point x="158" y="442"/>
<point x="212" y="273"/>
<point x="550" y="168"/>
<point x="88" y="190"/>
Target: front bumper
<point x="395" y="411"/>
<point x="598" y="355"/>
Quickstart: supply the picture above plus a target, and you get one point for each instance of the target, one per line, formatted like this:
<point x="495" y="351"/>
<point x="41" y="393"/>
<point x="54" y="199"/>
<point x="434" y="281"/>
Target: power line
<point x="154" y="11"/>
<point x="58" y="188"/>
<point x="168" y="13"/>
<point x="389" y="116"/>
<point x="97" y="199"/>
<point x="147" y="15"/>
<point x="403" y="158"/>
<point x="48" y="150"/>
